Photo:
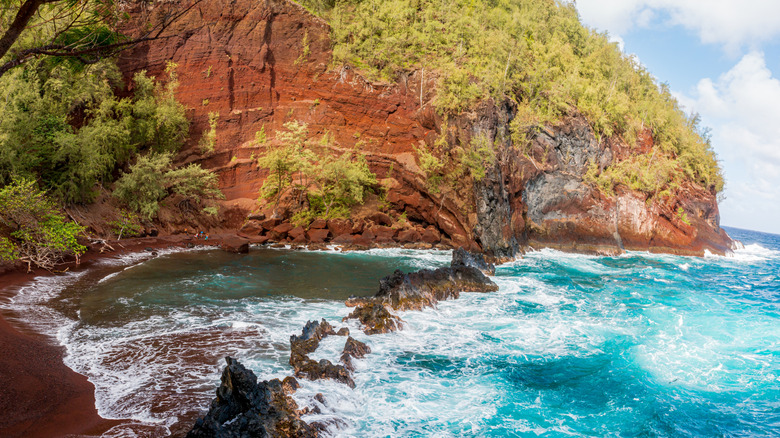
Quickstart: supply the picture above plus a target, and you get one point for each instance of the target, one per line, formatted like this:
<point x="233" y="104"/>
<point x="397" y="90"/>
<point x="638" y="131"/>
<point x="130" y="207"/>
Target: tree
<point x="284" y="159"/>
<point x="343" y="181"/>
<point x="79" y="30"/>
<point x="328" y="183"/>
<point x="42" y="234"/>
<point x="68" y="130"/>
<point x="143" y="187"/>
<point x="150" y="180"/>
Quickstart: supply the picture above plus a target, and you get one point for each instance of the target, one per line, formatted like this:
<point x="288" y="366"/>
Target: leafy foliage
<point x="8" y="252"/>
<point x="150" y="180"/>
<point x="143" y="187"/>
<point x="446" y="167"/>
<point x="43" y="236"/>
<point x="341" y="182"/>
<point x="69" y="130"/>
<point x="533" y="52"/>
<point x="77" y="32"/>
<point x="193" y="184"/>
<point x="284" y="159"/>
<point x="331" y="185"/>
<point x="209" y="139"/>
<point x="126" y="226"/>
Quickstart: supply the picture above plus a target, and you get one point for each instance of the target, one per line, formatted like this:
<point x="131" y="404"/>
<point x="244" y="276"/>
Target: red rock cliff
<point x="261" y="64"/>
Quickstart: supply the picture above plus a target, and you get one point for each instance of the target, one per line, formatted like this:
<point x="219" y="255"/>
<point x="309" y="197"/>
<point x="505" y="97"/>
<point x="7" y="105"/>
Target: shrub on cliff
<point x="285" y="158"/>
<point x="151" y="179"/>
<point x="66" y="128"/>
<point x="330" y="184"/>
<point x="42" y="235"/>
<point x="533" y="52"/>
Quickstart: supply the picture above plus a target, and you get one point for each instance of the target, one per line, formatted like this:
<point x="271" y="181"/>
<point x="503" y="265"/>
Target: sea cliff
<point x="243" y="61"/>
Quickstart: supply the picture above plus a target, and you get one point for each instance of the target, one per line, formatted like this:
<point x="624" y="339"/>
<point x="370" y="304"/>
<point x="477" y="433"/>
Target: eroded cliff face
<point x="262" y="64"/>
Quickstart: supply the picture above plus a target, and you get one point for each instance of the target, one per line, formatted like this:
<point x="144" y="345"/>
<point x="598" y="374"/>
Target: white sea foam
<point x="446" y="374"/>
<point x="754" y="253"/>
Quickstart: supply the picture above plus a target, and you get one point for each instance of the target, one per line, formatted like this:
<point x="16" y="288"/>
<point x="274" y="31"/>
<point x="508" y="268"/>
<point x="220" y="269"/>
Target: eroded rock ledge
<point x="307" y="343"/>
<point x="421" y="289"/>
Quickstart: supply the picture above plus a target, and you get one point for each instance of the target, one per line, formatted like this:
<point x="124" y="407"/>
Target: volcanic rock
<point x="270" y="223"/>
<point x="251" y="228"/>
<point x="380" y="218"/>
<point x="431" y="235"/>
<point x="245" y="407"/>
<point x="235" y="244"/>
<point x="318" y="224"/>
<point x="339" y="227"/>
<point x="297" y="232"/>
<point x="409" y="236"/>
<point x="376" y="319"/>
<point x="307" y="343"/>
<point x="317" y="235"/>
<point x="283" y="228"/>
<point x="418" y="290"/>
<point x="353" y="349"/>
<point x="461" y="257"/>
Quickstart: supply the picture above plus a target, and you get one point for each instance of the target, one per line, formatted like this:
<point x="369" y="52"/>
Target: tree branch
<point x="79" y="50"/>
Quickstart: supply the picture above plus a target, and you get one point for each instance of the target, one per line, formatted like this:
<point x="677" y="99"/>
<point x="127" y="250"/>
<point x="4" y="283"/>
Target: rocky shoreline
<point x="40" y="355"/>
<point x="42" y="397"/>
<point x="245" y="406"/>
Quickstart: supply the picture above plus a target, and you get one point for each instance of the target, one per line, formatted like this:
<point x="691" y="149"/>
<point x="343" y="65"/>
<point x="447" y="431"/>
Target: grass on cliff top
<point x="534" y="52"/>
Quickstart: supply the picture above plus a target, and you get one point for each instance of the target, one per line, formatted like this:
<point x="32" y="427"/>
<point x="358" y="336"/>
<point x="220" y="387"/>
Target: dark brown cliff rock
<point x="375" y="317"/>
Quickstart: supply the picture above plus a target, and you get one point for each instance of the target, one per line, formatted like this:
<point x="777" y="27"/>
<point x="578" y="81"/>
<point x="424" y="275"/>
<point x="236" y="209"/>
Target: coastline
<point x="41" y="396"/>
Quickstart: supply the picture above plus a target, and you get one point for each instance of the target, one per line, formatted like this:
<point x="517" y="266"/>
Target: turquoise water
<point x="571" y="345"/>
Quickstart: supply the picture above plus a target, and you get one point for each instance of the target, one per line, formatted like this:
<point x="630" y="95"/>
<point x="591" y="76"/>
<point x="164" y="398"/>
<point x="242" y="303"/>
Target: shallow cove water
<point x="636" y="345"/>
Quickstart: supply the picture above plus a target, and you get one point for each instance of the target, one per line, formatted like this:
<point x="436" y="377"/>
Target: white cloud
<point x="730" y="23"/>
<point x="742" y="107"/>
<point x="616" y="39"/>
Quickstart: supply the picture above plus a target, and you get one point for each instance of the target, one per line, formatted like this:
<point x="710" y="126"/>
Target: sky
<point x="721" y="59"/>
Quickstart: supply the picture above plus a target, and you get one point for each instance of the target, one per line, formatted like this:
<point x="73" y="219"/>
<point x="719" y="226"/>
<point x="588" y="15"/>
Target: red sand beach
<point x="39" y="395"/>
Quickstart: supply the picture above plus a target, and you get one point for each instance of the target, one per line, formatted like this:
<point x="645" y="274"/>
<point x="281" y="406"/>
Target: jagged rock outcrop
<point x="262" y="64"/>
<point x="424" y="288"/>
<point x="418" y="290"/>
<point x="245" y="407"/>
<point x="463" y="258"/>
<point x="353" y="349"/>
<point x="307" y="343"/>
<point x="375" y="317"/>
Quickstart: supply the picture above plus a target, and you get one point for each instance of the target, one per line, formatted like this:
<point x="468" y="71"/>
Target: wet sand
<point x="39" y="395"/>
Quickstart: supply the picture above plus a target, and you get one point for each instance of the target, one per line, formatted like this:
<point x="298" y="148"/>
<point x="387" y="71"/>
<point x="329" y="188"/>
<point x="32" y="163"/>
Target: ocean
<point x="571" y="345"/>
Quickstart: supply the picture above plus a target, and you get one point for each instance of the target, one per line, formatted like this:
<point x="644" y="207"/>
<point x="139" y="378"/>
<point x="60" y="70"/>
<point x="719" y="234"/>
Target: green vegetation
<point x="68" y="129"/>
<point x="446" y="167"/>
<point x="151" y="179"/>
<point x="76" y="32"/>
<point x="42" y="235"/>
<point x="330" y="185"/>
<point x="126" y="226"/>
<point x="209" y="139"/>
<point x="283" y="160"/>
<point x="260" y="137"/>
<point x="683" y="216"/>
<point x="535" y="53"/>
<point x="305" y="49"/>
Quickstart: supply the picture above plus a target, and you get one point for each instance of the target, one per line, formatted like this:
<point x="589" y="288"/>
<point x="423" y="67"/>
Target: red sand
<point x="39" y="395"/>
